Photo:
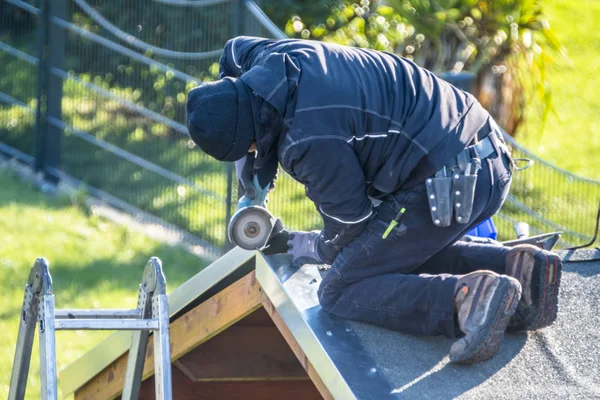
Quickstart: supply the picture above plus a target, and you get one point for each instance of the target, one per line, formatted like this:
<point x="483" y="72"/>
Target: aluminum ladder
<point x="151" y="314"/>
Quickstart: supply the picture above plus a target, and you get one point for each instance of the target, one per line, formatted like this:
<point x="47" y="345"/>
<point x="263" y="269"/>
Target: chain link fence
<point x="104" y="109"/>
<point x="550" y="199"/>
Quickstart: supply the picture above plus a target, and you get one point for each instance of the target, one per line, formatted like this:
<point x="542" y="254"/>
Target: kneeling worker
<point x="354" y="125"/>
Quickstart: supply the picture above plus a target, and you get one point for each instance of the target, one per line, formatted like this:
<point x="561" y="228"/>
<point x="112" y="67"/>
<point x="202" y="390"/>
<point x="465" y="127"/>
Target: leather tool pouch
<point x="439" y="194"/>
<point x="464" y="190"/>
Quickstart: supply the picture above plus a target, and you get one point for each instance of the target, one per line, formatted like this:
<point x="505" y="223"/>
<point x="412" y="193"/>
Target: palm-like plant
<point x="507" y="44"/>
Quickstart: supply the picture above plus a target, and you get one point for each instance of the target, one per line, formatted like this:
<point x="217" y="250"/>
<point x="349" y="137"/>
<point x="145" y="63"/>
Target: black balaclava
<point x="220" y="118"/>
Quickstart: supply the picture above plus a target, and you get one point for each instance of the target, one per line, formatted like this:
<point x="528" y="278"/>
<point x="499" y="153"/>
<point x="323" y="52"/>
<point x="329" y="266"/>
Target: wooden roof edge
<point x="88" y="366"/>
<point x="200" y="324"/>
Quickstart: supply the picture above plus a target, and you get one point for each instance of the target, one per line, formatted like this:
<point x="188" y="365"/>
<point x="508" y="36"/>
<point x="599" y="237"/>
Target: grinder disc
<point x="251" y="227"/>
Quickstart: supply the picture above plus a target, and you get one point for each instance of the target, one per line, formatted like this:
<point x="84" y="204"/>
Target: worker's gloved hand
<point x="303" y="247"/>
<point x="266" y="172"/>
<point x="244" y="170"/>
<point x="266" y="178"/>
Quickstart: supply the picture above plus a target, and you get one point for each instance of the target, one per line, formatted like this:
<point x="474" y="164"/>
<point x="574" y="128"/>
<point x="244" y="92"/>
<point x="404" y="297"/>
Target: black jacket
<point x="353" y="121"/>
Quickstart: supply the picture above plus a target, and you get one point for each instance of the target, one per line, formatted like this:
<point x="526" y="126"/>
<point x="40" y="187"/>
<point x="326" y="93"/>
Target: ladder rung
<point x="96" y="314"/>
<point x="106" y="324"/>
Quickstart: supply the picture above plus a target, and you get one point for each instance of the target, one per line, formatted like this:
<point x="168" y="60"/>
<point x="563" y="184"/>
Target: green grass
<point x="571" y="139"/>
<point x="93" y="264"/>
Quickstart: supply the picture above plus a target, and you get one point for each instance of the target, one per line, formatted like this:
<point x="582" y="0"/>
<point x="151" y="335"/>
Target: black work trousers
<point x="407" y="281"/>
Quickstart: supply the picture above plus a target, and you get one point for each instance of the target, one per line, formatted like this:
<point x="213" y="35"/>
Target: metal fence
<point x="106" y="104"/>
<point x="549" y="198"/>
<point x="94" y="93"/>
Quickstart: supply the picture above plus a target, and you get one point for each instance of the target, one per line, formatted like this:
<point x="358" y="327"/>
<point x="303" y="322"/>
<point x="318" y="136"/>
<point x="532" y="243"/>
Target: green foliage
<point x="475" y="33"/>
<point x="311" y="10"/>
<point x="354" y="25"/>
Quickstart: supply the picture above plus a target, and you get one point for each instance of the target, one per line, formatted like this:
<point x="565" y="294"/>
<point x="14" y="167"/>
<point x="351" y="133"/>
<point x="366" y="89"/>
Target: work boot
<point x="484" y="302"/>
<point x="539" y="272"/>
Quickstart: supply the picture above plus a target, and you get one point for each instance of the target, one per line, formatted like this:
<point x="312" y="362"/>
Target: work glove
<point x="244" y="170"/>
<point x="303" y="248"/>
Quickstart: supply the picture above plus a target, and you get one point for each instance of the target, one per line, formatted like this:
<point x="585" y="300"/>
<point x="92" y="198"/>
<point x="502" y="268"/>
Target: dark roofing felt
<point x="559" y="362"/>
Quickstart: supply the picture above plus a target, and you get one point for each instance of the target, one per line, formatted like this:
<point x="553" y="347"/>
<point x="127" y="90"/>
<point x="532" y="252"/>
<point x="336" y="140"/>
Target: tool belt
<point x="452" y="190"/>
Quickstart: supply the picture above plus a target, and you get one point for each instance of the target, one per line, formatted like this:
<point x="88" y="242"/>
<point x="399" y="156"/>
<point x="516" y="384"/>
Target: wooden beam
<point x="243" y="353"/>
<point x="187" y="332"/>
<point x="291" y="341"/>
<point x="184" y="389"/>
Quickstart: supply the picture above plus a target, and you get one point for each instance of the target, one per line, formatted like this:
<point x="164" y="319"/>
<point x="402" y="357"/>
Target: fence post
<point x="41" y="88"/>
<point x="50" y="51"/>
<point x="250" y="25"/>
<point x="56" y="54"/>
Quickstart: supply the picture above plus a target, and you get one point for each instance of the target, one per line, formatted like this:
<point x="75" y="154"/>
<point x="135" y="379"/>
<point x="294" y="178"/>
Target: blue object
<point x="486" y="229"/>
<point x="259" y="200"/>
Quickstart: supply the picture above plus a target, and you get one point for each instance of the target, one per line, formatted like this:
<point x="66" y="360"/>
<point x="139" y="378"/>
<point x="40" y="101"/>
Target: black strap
<point x="425" y="169"/>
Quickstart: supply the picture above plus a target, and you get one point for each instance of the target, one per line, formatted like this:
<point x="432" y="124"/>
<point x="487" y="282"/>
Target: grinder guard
<point x="251" y="225"/>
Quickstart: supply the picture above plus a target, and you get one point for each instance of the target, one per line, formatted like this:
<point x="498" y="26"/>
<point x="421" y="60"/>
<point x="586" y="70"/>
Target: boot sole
<point x="502" y="307"/>
<point x="547" y="274"/>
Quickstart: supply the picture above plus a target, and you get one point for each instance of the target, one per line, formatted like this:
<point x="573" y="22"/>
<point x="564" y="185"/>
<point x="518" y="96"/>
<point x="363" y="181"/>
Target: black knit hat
<point x="220" y="118"/>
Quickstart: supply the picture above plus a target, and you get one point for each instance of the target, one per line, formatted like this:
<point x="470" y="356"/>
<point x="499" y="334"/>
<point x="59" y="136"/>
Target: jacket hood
<point x="274" y="80"/>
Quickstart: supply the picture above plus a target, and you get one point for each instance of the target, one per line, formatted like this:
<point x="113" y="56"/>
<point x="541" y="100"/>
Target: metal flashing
<point x="329" y="342"/>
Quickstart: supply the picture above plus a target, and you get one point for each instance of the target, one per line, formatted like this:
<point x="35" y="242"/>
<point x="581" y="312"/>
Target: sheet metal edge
<point x="301" y="331"/>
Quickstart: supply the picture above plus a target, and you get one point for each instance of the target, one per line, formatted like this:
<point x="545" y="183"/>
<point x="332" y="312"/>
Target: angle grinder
<point x="252" y="224"/>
